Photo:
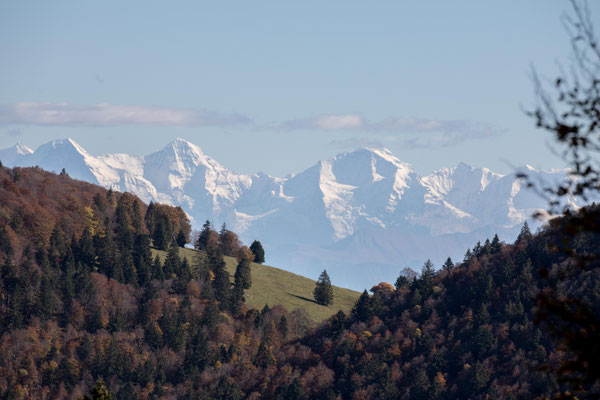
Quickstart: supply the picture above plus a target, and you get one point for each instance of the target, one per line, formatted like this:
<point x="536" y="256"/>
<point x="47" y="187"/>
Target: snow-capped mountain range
<point x="363" y="215"/>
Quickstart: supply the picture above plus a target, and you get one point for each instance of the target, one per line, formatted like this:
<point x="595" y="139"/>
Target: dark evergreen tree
<point x="448" y="265"/>
<point x="181" y="239"/>
<point x="401" y="281"/>
<point x="157" y="269"/>
<point x="323" y="292"/>
<point x="124" y="236"/>
<point x="468" y="257"/>
<point x="86" y="253"/>
<point x="478" y="250"/>
<point x="136" y="219"/>
<point x="243" y="274"/>
<point x="172" y="263"/>
<point x="204" y="236"/>
<point x="258" y="251"/>
<point x="149" y="217"/>
<point x="130" y="274"/>
<point x="495" y="246"/>
<point x="242" y="281"/>
<point x="525" y="233"/>
<point x="142" y="259"/>
<point x="210" y="316"/>
<point x="221" y="281"/>
<point x="161" y="236"/>
<point x="68" y="287"/>
<point x="362" y="310"/>
<point x="57" y="244"/>
<point x="184" y="276"/>
<point x="110" y="197"/>
<point x="46" y="301"/>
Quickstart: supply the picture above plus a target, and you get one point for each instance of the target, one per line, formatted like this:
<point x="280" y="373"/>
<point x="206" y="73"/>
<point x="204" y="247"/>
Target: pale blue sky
<point x="275" y="86"/>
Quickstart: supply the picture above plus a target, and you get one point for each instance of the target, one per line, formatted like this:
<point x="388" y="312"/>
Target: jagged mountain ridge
<point x="364" y="215"/>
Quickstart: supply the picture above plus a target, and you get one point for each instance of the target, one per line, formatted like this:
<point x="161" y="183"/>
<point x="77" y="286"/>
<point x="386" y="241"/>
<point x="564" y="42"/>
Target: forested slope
<point x="274" y="286"/>
<point x="84" y="301"/>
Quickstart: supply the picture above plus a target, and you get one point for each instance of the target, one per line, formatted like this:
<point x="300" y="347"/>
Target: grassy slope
<point x="274" y="286"/>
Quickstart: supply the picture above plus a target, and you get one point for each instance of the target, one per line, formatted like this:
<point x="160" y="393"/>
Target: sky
<point x="276" y="86"/>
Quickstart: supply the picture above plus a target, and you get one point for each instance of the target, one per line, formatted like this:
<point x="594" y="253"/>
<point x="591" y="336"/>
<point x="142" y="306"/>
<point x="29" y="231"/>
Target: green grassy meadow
<point x="274" y="286"/>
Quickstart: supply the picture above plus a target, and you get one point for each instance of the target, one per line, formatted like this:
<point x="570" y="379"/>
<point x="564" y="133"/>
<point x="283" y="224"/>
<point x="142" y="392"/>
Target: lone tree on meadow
<point x="258" y="251"/>
<point x="323" y="290"/>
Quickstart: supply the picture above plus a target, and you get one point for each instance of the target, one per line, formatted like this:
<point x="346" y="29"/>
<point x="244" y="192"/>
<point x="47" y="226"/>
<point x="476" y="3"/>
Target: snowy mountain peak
<point x="387" y="155"/>
<point x="525" y="168"/>
<point x="66" y="147"/>
<point x="21" y="149"/>
<point x="183" y="146"/>
<point x="357" y="210"/>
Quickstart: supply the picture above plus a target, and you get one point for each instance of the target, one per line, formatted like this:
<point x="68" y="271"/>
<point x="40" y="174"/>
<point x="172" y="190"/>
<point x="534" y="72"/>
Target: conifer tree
<point x="142" y="259"/>
<point x="401" y="281"/>
<point x="362" y="309"/>
<point x="210" y="316"/>
<point x="425" y="282"/>
<point x="86" y="253"/>
<point x="184" y="276"/>
<point x="221" y="282"/>
<point x="204" y="236"/>
<point x="57" y="243"/>
<point x="468" y="257"/>
<point x="181" y="239"/>
<point x="525" y="233"/>
<point x="110" y="197"/>
<point x="149" y="217"/>
<point x="243" y="274"/>
<point x="495" y="245"/>
<point x="123" y="230"/>
<point x="172" y="262"/>
<point x="157" y="269"/>
<point x="448" y="265"/>
<point x="258" y="251"/>
<point x="161" y="236"/>
<point x="136" y="221"/>
<point x="323" y="292"/>
<point x="242" y="281"/>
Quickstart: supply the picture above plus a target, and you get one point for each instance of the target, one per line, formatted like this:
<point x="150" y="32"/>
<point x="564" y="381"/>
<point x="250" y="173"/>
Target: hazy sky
<point x="276" y="86"/>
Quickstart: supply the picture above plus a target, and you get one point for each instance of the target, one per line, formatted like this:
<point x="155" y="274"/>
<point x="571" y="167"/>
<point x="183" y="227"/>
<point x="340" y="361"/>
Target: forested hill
<point x="84" y="295"/>
<point x="84" y="304"/>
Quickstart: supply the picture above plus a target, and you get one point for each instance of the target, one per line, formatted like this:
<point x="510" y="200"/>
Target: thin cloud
<point x="325" y="122"/>
<point x="64" y="114"/>
<point x="413" y="132"/>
